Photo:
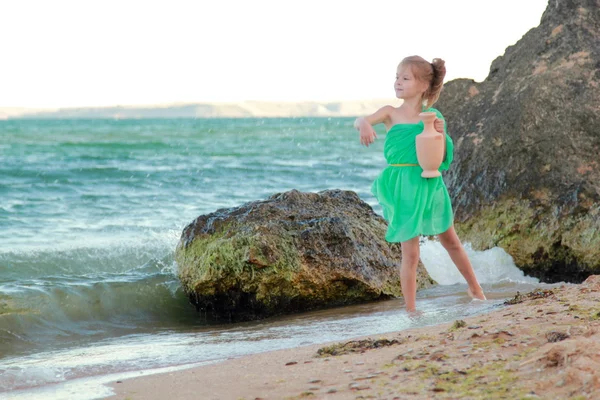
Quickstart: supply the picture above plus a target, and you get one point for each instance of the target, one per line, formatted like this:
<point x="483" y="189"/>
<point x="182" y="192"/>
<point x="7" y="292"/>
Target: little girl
<point x="413" y="205"/>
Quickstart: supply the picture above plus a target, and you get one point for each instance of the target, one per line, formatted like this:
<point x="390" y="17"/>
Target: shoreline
<point x="546" y="344"/>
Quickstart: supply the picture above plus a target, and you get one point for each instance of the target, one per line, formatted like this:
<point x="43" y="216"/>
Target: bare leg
<point x="455" y="249"/>
<point x="408" y="272"/>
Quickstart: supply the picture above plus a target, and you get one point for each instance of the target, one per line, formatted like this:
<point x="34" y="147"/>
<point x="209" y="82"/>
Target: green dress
<point x="412" y="205"/>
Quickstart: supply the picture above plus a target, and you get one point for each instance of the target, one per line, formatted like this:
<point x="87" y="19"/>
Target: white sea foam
<point x="491" y="266"/>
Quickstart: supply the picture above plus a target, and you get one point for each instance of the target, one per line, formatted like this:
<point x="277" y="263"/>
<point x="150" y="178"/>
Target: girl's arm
<point x="365" y="124"/>
<point x="380" y="116"/>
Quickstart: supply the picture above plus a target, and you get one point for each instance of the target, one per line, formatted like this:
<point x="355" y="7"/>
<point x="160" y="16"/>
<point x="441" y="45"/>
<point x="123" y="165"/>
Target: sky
<point x="76" y="53"/>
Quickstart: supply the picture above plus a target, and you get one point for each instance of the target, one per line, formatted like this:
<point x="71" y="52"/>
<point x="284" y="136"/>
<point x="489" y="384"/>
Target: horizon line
<point x="188" y="103"/>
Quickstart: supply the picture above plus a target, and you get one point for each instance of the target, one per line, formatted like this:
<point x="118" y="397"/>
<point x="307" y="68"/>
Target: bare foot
<point x="477" y="295"/>
<point x="415" y="314"/>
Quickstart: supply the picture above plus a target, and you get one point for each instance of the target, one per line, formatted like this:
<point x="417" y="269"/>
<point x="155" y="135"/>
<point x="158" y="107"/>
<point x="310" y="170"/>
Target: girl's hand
<point x="438" y="124"/>
<point x="367" y="134"/>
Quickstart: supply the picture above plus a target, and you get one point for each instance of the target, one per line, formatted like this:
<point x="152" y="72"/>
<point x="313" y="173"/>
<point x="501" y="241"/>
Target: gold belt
<point x="404" y="165"/>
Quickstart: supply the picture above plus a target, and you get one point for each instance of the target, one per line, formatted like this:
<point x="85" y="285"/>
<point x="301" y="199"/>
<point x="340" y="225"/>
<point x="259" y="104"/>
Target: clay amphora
<point x="430" y="147"/>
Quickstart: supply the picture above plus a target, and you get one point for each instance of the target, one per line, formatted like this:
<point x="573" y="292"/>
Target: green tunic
<point x="412" y="205"/>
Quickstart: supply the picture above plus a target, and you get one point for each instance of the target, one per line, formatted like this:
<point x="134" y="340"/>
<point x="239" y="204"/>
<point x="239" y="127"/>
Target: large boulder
<point x="526" y="175"/>
<point x="292" y="252"/>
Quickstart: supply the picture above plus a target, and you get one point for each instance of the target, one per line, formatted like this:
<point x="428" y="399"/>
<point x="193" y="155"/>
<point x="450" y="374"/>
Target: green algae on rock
<point x="551" y="248"/>
<point x="291" y="252"/>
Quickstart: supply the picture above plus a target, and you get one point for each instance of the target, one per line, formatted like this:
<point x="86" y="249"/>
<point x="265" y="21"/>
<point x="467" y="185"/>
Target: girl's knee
<point x="450" y="240"/>
<point x="411" y="253"/>
<point x="452" y="244"/>
<point x="410" y="258"/>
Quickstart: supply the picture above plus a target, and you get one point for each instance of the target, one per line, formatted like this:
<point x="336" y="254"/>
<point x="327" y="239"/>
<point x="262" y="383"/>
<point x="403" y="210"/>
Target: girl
<point x="413" y="205"/>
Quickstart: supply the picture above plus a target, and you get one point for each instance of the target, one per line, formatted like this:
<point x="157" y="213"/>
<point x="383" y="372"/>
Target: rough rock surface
<point x="292" y="252"/>
<point x="526" y="175"/>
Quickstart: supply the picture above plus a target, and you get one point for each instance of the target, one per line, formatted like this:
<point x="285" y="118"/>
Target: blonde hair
<point x="432" y="73"/>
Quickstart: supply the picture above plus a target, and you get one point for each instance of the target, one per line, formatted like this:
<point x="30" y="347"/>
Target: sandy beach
<point x="544" y="344"/>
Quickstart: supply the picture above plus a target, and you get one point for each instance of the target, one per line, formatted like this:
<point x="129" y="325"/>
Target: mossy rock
<point x="526" y="171"/>
<point x="542" y="244"/>
<point x="292" y="252"/>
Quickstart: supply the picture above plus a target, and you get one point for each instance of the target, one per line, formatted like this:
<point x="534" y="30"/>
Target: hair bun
<point x="438" y="62"/>
<point x="439" y="69"/>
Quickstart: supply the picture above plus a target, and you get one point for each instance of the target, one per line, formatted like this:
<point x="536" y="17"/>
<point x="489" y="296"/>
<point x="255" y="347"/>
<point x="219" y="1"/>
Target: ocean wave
<point x="63" y="309"/>
<point x="115" y="250"/>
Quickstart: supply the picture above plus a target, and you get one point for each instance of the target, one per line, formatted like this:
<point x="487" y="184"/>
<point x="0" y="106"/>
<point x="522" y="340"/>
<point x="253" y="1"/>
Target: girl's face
<point x="407" y="86"/>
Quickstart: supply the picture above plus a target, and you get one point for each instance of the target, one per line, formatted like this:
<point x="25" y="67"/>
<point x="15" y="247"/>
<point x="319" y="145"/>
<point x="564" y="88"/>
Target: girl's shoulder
<point x="388" y="109"/>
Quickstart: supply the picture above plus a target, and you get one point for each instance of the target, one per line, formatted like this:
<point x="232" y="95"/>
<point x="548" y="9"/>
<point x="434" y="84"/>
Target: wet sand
<point x="544" y="345"/>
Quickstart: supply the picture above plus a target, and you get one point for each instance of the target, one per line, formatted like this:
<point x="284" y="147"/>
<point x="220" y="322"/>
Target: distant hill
<point x="207" y="110"/>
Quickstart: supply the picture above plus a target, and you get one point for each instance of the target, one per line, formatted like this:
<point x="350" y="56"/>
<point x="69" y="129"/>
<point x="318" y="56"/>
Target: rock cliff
<point x="526" y="175"/>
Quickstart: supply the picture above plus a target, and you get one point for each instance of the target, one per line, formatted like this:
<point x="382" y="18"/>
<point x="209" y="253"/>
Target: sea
<point x="91" y="212"/>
